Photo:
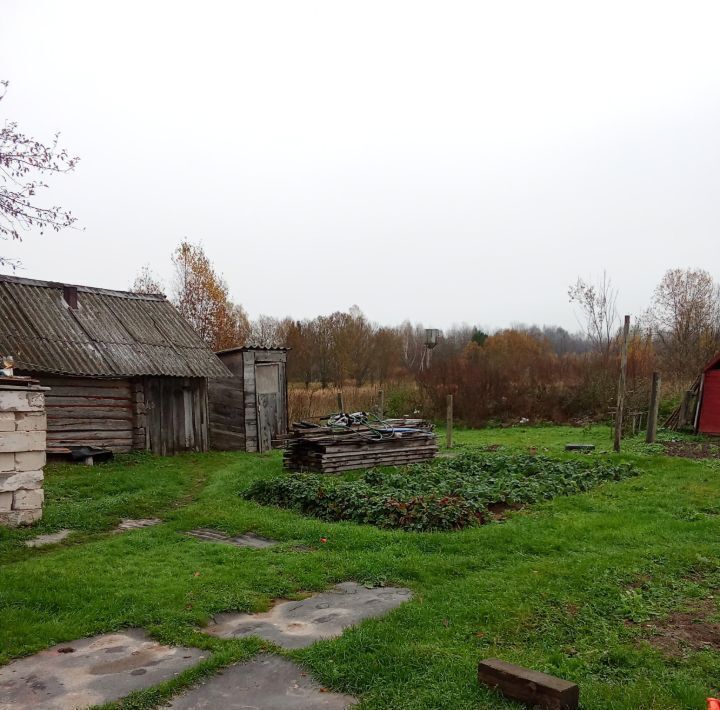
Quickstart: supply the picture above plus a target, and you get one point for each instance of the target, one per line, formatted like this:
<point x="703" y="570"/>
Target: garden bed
<point x="449" y="494"/>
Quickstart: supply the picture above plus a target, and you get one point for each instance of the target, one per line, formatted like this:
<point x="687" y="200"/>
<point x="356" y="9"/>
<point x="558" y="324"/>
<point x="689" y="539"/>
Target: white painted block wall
<point x="23" y="426"/>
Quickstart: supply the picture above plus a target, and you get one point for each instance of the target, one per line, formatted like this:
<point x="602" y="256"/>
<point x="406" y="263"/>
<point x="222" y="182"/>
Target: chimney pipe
<point x="70" y="296"/>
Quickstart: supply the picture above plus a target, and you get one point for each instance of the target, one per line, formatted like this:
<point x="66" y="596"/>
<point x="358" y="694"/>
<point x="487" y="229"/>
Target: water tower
<point x="432" y="336"/>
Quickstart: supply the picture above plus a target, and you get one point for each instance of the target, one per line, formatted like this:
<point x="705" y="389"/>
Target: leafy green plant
<point x="448" y="494"/>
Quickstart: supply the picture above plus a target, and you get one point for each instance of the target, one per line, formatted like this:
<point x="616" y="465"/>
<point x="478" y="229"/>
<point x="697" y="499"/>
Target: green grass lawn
<point x="572" y="586"/>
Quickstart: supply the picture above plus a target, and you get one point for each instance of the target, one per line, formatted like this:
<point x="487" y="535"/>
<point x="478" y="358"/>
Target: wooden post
<point x="698" y="404"/>
<point x="381" y="404"/>
<point x="340" y="402"/>
<point x="449" y="425"/>
<point x="621" y="385"/>
<point x="653" y="411"/>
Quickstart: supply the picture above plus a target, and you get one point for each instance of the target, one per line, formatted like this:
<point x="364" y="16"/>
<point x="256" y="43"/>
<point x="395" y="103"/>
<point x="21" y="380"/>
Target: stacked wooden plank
<point x="332" y="449"/>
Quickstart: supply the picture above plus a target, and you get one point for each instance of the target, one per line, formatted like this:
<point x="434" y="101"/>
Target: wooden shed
<point x="709" y="405"/>
<point x="248" y="412"/>
<point x="126" y="371"/>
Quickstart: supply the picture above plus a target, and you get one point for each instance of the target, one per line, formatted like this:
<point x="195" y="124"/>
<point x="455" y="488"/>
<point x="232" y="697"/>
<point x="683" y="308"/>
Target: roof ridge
<point x="129" y="295"/>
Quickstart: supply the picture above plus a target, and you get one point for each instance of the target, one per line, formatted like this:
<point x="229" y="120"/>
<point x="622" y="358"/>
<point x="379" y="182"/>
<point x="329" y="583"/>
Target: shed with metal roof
<point x="126" y="371"/>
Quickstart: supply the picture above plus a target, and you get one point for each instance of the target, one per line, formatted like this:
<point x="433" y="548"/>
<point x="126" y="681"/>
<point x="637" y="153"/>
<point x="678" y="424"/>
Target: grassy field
<point x="587" y="587"/>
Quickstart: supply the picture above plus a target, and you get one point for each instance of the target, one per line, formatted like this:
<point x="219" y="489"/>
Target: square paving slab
<point x="49" y="539"/>
<point x="247" y="540"/>
<point x="265" y="683"/>
<point x="296" y="624"/>
<point x="130" y="524"/>
<point x="91" y="671"/>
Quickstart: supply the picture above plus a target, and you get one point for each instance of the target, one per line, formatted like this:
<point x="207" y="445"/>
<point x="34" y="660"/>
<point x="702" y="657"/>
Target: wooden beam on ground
<point x="528" y="686"/>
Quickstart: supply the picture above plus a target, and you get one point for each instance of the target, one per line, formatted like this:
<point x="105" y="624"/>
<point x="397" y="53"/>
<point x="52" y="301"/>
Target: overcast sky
<point x="440" y="162"/>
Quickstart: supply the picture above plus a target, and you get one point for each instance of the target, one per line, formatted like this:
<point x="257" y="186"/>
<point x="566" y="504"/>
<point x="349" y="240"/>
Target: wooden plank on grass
<point x="528" y="686"/>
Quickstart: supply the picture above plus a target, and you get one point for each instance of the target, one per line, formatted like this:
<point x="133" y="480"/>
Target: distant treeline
<point x="542" y="373"/>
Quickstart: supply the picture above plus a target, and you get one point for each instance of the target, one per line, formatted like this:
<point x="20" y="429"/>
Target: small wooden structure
<point x="125" y="370"/>
<point x="708" y="418"/>
<point x="700" y="405"/>
<point x="248" y="411"/>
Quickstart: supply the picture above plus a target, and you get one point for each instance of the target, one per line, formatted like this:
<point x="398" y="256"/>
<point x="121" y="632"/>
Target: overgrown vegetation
<point x="448" y="494"/>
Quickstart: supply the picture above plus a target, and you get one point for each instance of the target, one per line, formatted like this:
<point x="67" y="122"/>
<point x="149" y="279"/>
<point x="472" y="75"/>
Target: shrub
<point x="447" y="494"/>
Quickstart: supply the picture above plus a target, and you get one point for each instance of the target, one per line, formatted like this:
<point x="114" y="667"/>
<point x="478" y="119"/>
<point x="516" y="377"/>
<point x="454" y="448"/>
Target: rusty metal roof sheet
<point x="109" y="334"/>
<point x="253" y="346"/>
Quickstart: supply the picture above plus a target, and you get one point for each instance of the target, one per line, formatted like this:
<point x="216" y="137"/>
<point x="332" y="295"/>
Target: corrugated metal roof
<point x="109" y="334"/>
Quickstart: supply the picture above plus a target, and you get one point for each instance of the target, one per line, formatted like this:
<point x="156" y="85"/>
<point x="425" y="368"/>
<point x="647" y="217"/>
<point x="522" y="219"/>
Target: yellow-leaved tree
<point x="201" y="296"/>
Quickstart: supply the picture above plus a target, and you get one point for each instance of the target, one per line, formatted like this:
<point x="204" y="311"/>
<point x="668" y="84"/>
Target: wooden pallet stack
<point x="395" y="442"/>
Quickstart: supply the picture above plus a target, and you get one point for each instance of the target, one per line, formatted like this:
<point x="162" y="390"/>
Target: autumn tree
<point x="685" y="315"/>
<point x="201" y="296"/>
<point x="24" y="161"/>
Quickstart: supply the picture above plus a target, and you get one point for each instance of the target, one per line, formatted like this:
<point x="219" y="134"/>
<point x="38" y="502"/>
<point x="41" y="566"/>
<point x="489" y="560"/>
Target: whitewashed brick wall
<point x="22" y="453"/>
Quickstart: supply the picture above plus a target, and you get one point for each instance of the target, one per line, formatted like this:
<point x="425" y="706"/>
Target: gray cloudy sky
<point x="441" y="162"/>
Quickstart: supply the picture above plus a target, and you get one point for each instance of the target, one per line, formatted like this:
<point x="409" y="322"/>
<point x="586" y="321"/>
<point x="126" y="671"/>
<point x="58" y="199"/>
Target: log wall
<point x="89" y="412"/>
<point x="162" y="414"/>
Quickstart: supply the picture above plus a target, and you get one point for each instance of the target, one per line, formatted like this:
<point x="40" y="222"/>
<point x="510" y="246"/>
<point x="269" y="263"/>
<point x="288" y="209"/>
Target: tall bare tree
<point x="598" y="306"/>
<point x="147" y="281"/>
<point x="685" y="314"/>
<point x="23" y="163"/>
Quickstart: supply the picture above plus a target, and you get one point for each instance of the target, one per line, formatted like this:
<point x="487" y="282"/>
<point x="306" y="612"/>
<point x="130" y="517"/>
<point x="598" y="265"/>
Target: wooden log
<point x="528" y="686"/>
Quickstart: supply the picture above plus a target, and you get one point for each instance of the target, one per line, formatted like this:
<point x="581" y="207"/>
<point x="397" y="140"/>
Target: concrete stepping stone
<point x="49" y="539"/>
<point x="246" y="540"/>
<point x="264" y="683"/>
<point x="91" y="671"/>
<point x="297" y="624"/>
<point x="130" y="524"/>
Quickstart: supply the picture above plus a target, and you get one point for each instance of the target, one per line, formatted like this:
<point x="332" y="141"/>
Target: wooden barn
<point x="126" y="371"/>
<point x="708" y="417"/>
<point x="248" y="411"/>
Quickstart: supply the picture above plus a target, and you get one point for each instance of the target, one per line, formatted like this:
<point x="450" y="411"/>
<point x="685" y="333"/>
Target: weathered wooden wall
<point x="227" y="414"/>
<point x="243" y="417"/>
<point x="162" y="414"/>
<point x="83" y="411"/>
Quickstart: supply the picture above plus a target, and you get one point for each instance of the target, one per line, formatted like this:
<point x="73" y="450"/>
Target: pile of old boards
<point x="335" y="448"/>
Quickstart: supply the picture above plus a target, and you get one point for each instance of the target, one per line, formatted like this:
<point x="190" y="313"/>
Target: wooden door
<point x="269" y="404"/>
<point x="176" y="414"/>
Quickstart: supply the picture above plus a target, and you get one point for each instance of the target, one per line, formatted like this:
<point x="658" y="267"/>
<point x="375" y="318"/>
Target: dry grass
<point x="314" y="401"/>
